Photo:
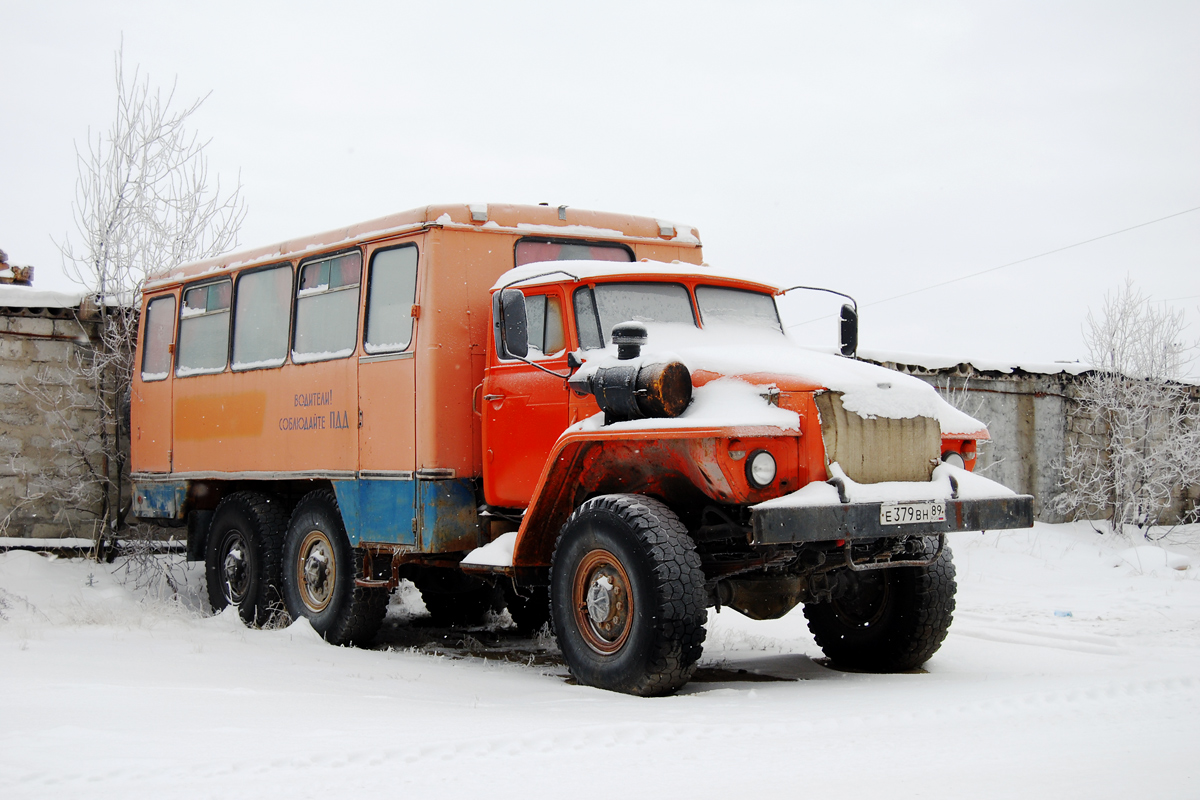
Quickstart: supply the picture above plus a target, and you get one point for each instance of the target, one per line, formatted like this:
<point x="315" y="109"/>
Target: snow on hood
<point x="727" y="402"/>
<point x="820" y="493"/>
<point x="765" y="356"/>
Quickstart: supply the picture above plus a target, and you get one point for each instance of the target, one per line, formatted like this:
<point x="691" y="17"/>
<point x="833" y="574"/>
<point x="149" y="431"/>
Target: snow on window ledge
<point x="327" y="355"/>
<point x="263" y="364"/>
<point x="184" y="372"/>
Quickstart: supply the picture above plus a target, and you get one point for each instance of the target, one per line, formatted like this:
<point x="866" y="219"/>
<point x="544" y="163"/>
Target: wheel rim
<point x="867" y="603"/>
<point x="602" y="602"/>
<point x="316" y="567"/>
<point x="235" y="567"/>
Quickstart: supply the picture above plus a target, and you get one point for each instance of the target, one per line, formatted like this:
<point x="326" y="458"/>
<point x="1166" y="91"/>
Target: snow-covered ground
<point x="1072" y="670"/>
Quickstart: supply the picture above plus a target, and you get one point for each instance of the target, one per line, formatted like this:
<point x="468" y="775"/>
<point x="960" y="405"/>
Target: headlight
<point x="955" y="459"/>
<point x="760" y="469"/>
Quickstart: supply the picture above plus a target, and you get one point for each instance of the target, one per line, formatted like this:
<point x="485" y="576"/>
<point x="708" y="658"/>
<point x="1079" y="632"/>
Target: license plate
<point x="910" y="513"/>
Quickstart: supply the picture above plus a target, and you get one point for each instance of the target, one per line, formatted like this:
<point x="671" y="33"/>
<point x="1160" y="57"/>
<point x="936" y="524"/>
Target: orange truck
<point x="563" y="408"/>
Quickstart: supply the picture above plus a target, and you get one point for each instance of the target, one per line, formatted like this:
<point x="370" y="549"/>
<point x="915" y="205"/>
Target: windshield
<point x="720" y="305"/>
<point x="599" y="308"/>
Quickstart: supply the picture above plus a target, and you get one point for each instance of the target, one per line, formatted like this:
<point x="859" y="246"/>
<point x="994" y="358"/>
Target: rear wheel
<point x="628" y="602"/>
<point x="242" y="556"/>
<point x="887" y="620"/>
<point x="319" y="568"/>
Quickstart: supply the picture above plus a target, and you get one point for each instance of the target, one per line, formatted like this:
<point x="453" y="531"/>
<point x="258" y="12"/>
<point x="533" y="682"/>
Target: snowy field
<point x="1072" y="670"/>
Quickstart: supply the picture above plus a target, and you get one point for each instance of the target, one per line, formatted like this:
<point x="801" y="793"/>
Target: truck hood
<point x="717" y="355"/>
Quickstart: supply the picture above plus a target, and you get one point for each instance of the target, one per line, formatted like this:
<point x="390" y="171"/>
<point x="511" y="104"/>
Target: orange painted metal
<point x="419" y="410"/>
<point x="690" y="466"/>
<point x="151" y="407"/>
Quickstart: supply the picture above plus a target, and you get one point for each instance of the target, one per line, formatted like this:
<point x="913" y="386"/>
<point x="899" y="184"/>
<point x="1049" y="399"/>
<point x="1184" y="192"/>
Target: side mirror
<point x="513" y="324"/>
<point x="849" y="335"/>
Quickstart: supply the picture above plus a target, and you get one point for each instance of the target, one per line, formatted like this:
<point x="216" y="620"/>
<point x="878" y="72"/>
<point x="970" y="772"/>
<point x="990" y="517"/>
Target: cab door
<point x="525" y="409"/>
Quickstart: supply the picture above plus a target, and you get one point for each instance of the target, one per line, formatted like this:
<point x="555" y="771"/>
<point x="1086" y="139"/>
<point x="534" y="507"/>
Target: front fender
<point x="684" y="467"/>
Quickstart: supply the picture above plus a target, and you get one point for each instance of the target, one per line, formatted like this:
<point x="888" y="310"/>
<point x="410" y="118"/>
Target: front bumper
<point x="857" y="521"/>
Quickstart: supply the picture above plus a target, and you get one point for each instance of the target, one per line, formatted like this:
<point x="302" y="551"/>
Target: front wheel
<point x="627" y="596"/>
<point x="887" y="620"/>
<point x="319" y="568"/>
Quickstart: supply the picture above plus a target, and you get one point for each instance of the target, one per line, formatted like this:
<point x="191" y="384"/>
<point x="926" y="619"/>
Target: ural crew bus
<point x="566" y="406"/>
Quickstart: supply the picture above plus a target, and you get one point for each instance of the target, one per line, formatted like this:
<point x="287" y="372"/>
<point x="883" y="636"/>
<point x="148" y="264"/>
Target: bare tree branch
<point x="144" y="202"/>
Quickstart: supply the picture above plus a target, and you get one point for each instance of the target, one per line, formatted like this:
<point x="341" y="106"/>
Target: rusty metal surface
<point x="861" y="520"/>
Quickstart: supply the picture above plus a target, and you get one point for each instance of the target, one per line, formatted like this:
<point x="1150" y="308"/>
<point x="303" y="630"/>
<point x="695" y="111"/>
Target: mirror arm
<point x="782" y="292"/>
<point x="570" y="368"/>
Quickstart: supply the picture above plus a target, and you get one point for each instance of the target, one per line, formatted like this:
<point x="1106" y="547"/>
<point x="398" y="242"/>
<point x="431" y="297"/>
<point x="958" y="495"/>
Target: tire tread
<point x="679" y="585"/>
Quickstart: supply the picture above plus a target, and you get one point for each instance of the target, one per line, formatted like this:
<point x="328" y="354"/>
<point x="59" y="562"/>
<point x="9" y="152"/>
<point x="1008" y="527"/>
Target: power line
<point x="1013" y="263"/>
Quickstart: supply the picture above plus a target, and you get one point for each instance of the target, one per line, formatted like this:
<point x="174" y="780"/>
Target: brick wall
<point x="37" y="346"/>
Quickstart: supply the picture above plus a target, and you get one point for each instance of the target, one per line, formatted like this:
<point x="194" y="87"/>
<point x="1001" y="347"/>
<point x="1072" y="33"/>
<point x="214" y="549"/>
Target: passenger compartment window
<point x="547" y="336"/>
<point x="532" y="250"/>
<point x="260" y="318"/>
<point x="327" y="308"/>
<point x="391" y="293"/>
<point x="159" y="333"/>
<point x="204" y="329"/>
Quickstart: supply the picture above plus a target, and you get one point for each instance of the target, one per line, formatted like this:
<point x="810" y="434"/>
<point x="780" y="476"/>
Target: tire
<point x="889" y="620"/>
<point x="241" y="559"/>
<point x="529" y="607"/>
<point x="627" y="596"/>
<point x="319" y="568"/>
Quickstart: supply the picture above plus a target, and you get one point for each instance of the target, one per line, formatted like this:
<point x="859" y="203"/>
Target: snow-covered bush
<point x="1136" y="441"/>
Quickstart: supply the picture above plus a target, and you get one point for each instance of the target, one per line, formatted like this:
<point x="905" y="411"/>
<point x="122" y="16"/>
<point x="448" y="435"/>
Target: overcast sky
<point x="874" y="148"/>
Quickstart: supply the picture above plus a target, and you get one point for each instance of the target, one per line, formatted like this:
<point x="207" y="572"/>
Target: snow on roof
<point x="17" y="296"/>
<point x="933" y="362"/>
<point x="540" y="272"/>
<point x="501" y="216"/>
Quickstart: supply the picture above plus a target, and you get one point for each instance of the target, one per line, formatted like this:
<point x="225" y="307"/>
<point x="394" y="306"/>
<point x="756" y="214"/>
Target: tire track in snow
<point x="591" y="739"/>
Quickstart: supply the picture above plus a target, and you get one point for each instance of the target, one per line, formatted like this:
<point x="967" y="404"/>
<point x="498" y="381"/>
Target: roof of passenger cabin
<point x="523" y="219"/>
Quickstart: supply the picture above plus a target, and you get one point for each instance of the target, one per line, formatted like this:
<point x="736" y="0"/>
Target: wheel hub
<point x="603" y="602"/>
<point x="599" y="600"/>
<point x="235" y="571"/>
<point x="317" y="569"/>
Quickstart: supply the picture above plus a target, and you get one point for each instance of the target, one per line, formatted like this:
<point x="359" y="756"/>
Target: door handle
<point x="490" y="397"/>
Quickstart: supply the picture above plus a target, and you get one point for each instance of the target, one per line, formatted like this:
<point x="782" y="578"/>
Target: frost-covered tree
<point x="144" y="201"/>
<point x="1140" y="440"/>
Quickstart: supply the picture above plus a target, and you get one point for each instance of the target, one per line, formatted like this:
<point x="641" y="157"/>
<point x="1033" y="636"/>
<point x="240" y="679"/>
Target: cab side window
<point x="391" y="293"/>
<point x="204" y="329"/>
<point x="327" y="308"/>
<point x="547" y="335"/>
<point x="159" y="334"/>
<point x="261" y="315"/>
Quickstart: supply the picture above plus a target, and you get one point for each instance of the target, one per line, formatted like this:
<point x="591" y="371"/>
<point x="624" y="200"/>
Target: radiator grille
<point x="880" y="449"/>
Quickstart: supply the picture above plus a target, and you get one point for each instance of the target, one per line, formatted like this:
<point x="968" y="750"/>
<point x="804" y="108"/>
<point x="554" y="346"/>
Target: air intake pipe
<point x="636" y="391"/>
